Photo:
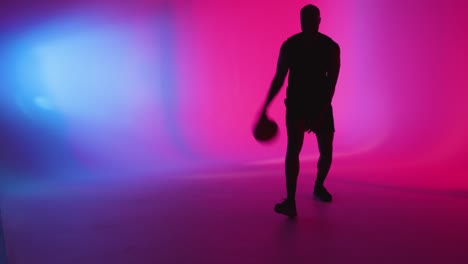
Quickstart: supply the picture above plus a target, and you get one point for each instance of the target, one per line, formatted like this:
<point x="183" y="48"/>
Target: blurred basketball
<point x="265" y="130"/>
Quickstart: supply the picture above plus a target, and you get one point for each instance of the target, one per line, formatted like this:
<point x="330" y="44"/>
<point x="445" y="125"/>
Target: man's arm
<point x="278" y="81"/>
<point x="334" y="71"/>
<point x="332" y="77"/>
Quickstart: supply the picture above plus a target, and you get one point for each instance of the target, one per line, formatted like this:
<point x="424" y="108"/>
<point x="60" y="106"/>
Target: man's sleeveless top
<point x="309" y="58"/>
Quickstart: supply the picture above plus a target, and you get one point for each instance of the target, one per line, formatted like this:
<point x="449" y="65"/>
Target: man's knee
<point x="326" y="149"/>
<point x="294" y="147"/>
<point x="293" y="153"/>
<point x="326" y="153"/>
<point x="325" y="142"/>
<point x="326" y="158"/>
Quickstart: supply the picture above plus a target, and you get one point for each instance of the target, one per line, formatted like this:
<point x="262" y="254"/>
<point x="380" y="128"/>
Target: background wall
<point x="150" y="86"/>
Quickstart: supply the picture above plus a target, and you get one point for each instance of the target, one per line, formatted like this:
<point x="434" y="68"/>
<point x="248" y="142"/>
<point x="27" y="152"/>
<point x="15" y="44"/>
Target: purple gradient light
<point x="178" y="84"/>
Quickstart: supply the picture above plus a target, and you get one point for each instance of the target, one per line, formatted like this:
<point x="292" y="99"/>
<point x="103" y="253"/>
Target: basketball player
<point x="313" y="62"/>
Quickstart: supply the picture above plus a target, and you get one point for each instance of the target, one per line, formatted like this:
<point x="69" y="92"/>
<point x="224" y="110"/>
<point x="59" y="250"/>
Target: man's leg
<point x="325" y="144"/>
<point x="295" y="129"/>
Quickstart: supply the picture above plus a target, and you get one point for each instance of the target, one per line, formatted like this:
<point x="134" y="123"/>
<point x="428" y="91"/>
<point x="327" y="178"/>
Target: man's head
<point x="310" y="19"/>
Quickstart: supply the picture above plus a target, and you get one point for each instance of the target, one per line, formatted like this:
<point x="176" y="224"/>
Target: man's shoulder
<point x="290" y="43"/>
<point x="328" y="41"/>
<point x="294" y="38"/>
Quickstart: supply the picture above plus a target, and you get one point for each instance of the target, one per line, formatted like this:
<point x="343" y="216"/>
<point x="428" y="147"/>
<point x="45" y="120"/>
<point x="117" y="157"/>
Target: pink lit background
<point x="154" y="86"/>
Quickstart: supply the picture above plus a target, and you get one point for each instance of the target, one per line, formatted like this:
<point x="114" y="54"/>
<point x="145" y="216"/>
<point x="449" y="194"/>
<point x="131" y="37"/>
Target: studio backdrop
<point x="177" y="84"/>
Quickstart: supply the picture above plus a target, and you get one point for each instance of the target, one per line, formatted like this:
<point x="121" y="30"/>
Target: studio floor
<point x="226" y="216"/>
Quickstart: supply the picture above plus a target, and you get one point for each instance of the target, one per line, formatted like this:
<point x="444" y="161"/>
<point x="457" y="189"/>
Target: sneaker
<point x="287" y="208"/>
<point x="322" y="194"/>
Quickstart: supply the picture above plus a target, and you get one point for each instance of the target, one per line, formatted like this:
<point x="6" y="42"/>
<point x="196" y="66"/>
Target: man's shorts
<point x="325" y="123"/>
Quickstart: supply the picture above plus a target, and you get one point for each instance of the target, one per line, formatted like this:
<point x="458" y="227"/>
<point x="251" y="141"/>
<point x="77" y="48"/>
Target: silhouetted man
<point x="313" y="62"/>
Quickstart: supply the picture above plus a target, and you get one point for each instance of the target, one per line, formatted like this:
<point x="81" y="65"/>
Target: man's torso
<point x="309" y="59"/>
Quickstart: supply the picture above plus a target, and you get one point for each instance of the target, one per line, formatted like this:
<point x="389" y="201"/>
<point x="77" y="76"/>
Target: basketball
<point x="265" y="130"/>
